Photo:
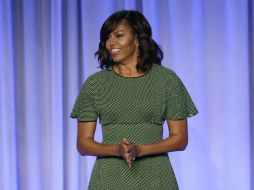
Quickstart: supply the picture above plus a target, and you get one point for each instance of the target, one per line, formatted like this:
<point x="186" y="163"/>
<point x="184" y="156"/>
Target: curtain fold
<point x="47" y="51"/>
<point x="251" y="83"/>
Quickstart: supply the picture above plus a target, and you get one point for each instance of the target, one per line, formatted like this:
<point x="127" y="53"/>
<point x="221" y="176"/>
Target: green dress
<point x="133" y="108"/>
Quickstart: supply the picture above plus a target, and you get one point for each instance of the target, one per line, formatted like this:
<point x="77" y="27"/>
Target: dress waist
<point x="138" y="133"/>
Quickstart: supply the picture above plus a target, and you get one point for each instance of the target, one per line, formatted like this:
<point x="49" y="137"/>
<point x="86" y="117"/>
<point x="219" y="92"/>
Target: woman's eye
<point x="119" y="35"/>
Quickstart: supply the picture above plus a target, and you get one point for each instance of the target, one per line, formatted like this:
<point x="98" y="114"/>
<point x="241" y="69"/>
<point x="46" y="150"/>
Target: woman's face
<point x="122" y="44"/>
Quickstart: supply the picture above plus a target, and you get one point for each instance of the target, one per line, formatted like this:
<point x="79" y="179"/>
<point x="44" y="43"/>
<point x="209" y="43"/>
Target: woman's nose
<point x="112" y="41"/>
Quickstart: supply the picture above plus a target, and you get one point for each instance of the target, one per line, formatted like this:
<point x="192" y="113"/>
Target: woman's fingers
<point x="129" y="161"/>
<point x="126" y="141"/>
<point x="124" y="151"/>
<point x="129" y="151"/>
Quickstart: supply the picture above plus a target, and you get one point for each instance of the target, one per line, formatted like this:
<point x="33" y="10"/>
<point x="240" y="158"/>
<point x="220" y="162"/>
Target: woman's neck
<point x="129" y="70"/>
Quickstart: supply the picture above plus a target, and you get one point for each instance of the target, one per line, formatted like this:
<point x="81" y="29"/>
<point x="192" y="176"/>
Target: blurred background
<point x="47" y="52"/>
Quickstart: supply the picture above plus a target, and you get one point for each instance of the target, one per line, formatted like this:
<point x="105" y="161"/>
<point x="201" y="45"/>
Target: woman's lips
<point x="114" y="51"/>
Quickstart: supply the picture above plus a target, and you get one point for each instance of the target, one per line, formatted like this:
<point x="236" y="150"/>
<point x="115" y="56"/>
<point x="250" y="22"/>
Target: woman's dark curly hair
<point x="149" y="51"/>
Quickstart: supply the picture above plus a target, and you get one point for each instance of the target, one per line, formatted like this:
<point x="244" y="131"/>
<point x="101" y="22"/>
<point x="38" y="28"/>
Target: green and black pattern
<point x="134" y="108"/>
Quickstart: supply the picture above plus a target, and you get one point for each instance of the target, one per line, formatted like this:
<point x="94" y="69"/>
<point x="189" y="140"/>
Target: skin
<point x="122" y="45"/>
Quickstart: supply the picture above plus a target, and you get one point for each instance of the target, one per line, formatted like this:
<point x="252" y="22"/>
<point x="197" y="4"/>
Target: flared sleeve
<point x="84" y="108"/>
<point x="179" y="104"/>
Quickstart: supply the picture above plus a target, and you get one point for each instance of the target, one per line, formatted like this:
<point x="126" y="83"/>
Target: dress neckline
<point x="141" y="76"/>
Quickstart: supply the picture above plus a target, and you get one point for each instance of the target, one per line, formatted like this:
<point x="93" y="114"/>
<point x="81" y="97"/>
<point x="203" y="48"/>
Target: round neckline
<point x="141" y="76"/>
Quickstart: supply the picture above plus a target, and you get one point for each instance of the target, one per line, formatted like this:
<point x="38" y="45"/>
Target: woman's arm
<point x="177" y="140"/>
<point x="86" y="144"/>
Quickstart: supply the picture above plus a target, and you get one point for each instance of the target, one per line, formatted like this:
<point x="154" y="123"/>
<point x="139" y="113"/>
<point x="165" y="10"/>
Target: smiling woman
<point x="122" y="44"/>
<point x="128" y="27"/>
<point x="132" y="96"/>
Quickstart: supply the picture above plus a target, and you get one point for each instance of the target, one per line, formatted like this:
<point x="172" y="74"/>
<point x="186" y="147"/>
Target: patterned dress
<point x="134" y="108"/>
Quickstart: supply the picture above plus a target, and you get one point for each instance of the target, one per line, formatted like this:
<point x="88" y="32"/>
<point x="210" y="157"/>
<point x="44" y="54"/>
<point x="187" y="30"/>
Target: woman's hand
<point x="129" y="151"/>
<point x="123" y="151"/>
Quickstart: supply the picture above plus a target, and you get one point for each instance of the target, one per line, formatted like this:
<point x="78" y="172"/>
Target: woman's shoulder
<point x="97" y="78"/>
<point x="164" y="72"/>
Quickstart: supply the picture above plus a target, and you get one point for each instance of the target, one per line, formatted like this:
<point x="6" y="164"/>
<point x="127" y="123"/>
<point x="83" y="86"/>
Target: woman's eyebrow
<point x="118" y="30"/>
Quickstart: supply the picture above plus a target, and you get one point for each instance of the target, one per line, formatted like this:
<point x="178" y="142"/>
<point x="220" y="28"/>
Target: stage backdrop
<point x="47" y="51"/>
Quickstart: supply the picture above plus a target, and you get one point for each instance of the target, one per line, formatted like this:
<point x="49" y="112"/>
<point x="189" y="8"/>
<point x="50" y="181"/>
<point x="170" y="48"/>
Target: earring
<point x="137" y="52"/>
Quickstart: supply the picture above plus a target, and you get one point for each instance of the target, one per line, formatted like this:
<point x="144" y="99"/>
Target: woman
<point x="132" y="97"/>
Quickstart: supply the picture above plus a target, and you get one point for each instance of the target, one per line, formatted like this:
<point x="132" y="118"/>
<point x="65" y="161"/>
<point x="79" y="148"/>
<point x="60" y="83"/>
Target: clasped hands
<point x="128" y="151"/>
